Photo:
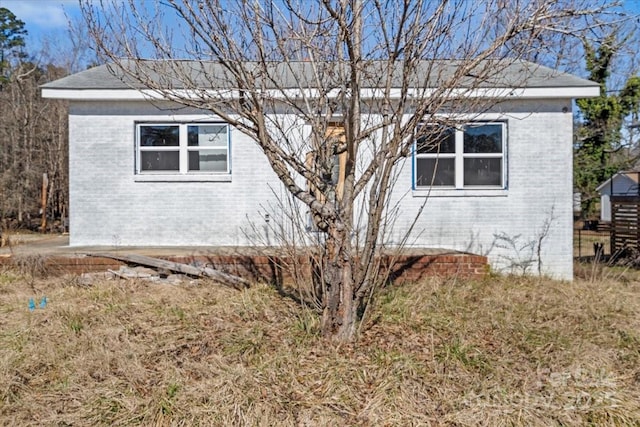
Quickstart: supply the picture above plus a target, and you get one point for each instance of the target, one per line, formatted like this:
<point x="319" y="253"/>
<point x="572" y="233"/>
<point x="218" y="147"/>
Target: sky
<point x="48" y="19"/>
<point x="47" y="23"/>
<point x="45" y="16"/>
<point x="42" y="16"/>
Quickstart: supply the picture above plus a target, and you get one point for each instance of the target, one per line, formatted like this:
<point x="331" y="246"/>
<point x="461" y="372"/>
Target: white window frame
<point x="183" y="149"/>
<point x="459" y="157"/>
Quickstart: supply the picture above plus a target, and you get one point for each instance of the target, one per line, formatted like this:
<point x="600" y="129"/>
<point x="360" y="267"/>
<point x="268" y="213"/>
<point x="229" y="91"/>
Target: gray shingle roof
<point x="489" y="74"/>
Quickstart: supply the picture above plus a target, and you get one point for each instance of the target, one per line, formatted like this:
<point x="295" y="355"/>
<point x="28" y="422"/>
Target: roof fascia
<point x="502" y="93"/>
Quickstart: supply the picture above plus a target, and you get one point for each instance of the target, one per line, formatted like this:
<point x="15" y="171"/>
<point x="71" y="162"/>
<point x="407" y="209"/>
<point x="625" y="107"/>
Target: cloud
<point x="41" y="14"/>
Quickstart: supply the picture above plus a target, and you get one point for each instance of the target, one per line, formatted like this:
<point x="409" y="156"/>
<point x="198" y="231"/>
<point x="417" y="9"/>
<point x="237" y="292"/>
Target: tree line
<point x="33" y="135"/>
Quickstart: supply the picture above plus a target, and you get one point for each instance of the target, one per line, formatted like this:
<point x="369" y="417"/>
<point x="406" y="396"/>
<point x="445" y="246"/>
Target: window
<point x="458" y="158"/>
<point x="182" y="148"/>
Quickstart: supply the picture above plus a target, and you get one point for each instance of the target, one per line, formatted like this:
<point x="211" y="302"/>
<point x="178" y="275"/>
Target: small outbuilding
<point x="623" y="183"/>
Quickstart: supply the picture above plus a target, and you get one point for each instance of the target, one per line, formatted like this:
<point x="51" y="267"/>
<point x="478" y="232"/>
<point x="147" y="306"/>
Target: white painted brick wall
<point x="107" y="206"/>
<point x="539" y="174"/>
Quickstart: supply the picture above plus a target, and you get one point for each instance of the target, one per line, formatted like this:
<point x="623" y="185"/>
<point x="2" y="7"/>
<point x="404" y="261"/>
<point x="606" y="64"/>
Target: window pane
<point x="159" y="136"/>
<point x="207" y="136"/>
<point x="485" y="138"/>
<point x="208" y="160"/>
<point x="435" y="139"/>
<point x="159" y="161"/>
<point x="441" y="171"/>
<point x="483" y="172"/>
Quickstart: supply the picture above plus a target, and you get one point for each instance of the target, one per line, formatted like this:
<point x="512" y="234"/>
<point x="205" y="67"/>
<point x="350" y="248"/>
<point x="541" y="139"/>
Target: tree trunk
<point x="43" y="203"/>
<point x="339" y="316"/>
<point x="20" y="209"/>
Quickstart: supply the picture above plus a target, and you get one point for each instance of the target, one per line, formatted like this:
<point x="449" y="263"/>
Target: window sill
<point x="182" y="178"/>
<point x="471" y="192"/>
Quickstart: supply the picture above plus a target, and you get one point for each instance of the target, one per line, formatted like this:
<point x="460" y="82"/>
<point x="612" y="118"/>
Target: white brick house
<point x="127" y="191"/>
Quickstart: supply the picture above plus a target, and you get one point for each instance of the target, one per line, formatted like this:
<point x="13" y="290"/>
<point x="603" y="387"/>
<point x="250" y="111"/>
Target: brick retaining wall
<point x="264" y="268"/>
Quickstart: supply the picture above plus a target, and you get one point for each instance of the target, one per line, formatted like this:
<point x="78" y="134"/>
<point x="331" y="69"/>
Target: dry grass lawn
<point x="502" y="351"/>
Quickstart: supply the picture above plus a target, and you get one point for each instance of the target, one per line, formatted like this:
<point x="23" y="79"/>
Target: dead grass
<point x="504" y="351"/>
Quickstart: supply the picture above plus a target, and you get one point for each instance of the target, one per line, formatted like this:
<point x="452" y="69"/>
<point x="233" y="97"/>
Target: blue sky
<point x="47" y="23"/>
<point x="46" y="16"/>
<point x="42" y="17"/>
<point x="48" y="19"/>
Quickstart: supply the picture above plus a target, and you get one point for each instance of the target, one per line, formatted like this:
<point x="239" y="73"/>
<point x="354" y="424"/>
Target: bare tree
<point x="332" y="85"/>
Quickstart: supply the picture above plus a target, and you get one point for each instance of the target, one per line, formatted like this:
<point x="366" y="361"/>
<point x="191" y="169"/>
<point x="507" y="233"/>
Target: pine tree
<point x="12" y="34"/>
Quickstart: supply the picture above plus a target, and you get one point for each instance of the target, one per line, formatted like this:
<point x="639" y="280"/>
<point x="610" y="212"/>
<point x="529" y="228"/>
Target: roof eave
<point x="497" y="93"/>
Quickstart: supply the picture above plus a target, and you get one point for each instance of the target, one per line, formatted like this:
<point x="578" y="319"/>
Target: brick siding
<point x="270" y="269"/>
<point x="109" y="207"/>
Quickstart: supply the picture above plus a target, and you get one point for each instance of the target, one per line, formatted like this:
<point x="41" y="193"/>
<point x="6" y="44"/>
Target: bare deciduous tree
<point x="332" y="85"/>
